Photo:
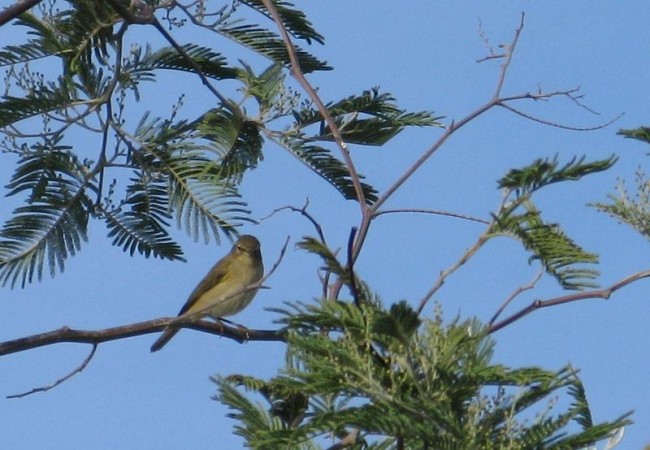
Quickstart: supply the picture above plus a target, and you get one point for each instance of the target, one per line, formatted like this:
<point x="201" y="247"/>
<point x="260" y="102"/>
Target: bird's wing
<point x="213" y="277"/>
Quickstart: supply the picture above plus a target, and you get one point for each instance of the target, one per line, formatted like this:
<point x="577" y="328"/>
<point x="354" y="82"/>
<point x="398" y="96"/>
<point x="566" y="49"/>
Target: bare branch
<point x="303" y="212"/>
<point x="95" y="337"/>
<point x="509" y="53"/>
<point x="598" y="293"/>
<point x="455" y="125"/>
<point x="516" y="293"/>
<point x="482" y="239"/>
<point x="559" y="125"/>
<point x="76" y="370"/>
<point x="488" y="46"/>
<point x="13" y="11"/>
<point x="319" y="230"/>
<point x="434" y="212"/>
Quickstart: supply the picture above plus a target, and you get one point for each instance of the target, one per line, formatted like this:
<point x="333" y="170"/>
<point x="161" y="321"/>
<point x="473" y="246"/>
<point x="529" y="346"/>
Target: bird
<point x="228" y="287"/>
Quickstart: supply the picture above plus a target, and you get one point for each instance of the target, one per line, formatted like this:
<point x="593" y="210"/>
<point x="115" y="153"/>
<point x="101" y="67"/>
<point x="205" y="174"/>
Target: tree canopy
<point x="359" y="372"/>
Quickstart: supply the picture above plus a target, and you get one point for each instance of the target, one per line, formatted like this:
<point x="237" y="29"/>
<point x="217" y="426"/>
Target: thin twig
<point x="304" y="213"/>
<point x="455" y="125"/>
<point x="353" y="279"/>
<point x="539" y="304"/>
<point x="76" y="370"/>
<point x="319" y="230"/>
<point x="197" y="69"/>
<point x="510" y="51"/>
<point x="434" y="212"/>
<point x="559" y="125"/>
<point x="516" y="293"/>
<point x="482" y="239"/>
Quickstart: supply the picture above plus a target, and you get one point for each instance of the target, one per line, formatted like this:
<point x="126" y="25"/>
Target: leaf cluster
<point x="404" y="383"/>
<point x="519" y="218"/>
<point x="632" y="209"/>
<point x="141" y="180"/>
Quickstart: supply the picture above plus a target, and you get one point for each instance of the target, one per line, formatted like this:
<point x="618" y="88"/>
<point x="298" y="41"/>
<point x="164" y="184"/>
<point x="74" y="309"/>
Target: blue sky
<point x="425" y="54"/>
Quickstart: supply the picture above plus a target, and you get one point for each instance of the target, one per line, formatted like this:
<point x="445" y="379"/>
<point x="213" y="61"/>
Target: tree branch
<point x="13" y="11"/>
<point x="313" y="95"/>
<point x="515" y="293"/>
<point x="75" y="371"/>
<point x="598" y="293"/>
<point x="466" y="256"/>
<point x="433" y="212"/>
<point x="95" y="337"/>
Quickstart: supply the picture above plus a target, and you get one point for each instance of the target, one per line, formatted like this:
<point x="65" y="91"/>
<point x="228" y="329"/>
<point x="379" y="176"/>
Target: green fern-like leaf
<point x="46" y="41"/>
<point x="433" y="392"/>
<point x="641" y="134"/>
<point x="141" y="221"/>
<point x="88" y="31"/>
<point x="372" y="118"/>
<point x="15" y="109"/>
<point x="543" y="172"/>
<point x="52" y="226"/>
<point x="204" y="203"/>
<point x="294" y="20"/>
<point x="321" y="161"/>
<point x="560" y="256"/>
<point x="237" y="140"/>
<point x="265" y="87"/>
<point x="271" y="46"/>
<point x="143" y="64"/>
<point x="202" y="196"/>
<point x="632" y="209"/>
<point x="330" y="262"/>
<point x="18" y="54"/>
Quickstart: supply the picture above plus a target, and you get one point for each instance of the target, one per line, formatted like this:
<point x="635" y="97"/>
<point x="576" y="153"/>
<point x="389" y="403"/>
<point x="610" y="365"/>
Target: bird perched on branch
<point x="228" y="287"/>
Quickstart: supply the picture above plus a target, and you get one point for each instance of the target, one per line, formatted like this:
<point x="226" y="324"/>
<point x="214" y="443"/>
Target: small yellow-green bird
<point x="226" y="289"/>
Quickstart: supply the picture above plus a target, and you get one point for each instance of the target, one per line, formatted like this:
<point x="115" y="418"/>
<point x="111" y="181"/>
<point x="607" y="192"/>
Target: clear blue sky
<point x="425" y="54"/>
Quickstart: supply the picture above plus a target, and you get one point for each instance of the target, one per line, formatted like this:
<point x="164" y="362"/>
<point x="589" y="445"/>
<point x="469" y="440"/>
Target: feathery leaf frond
<point x="270" y="45"/>
<point x="46" y="99"/>
<point x="543" y="172"/>
<point x="641" y="134"/>
<point x="560" y="256"/>
<point x="371" y="118"/>
<point x="294" y="20"/>
<point x="203" y="199"/>
<point x="46" y="42"/>
<point x="53" y="224"/>
<point x="142" y="227"/>
<point x="632" y="209"/>
<point x="236" y="139"/>
<point x="439" y="388"/>
<point x="331" y="169"/>
<point x="142" y="64"/>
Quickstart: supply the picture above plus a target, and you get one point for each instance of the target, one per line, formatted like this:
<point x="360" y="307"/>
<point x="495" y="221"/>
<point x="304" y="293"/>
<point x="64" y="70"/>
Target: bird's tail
<point x="163" y="339"/>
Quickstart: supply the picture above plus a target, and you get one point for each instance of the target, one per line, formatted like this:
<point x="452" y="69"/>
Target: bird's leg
<point x="241" y="327"/>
